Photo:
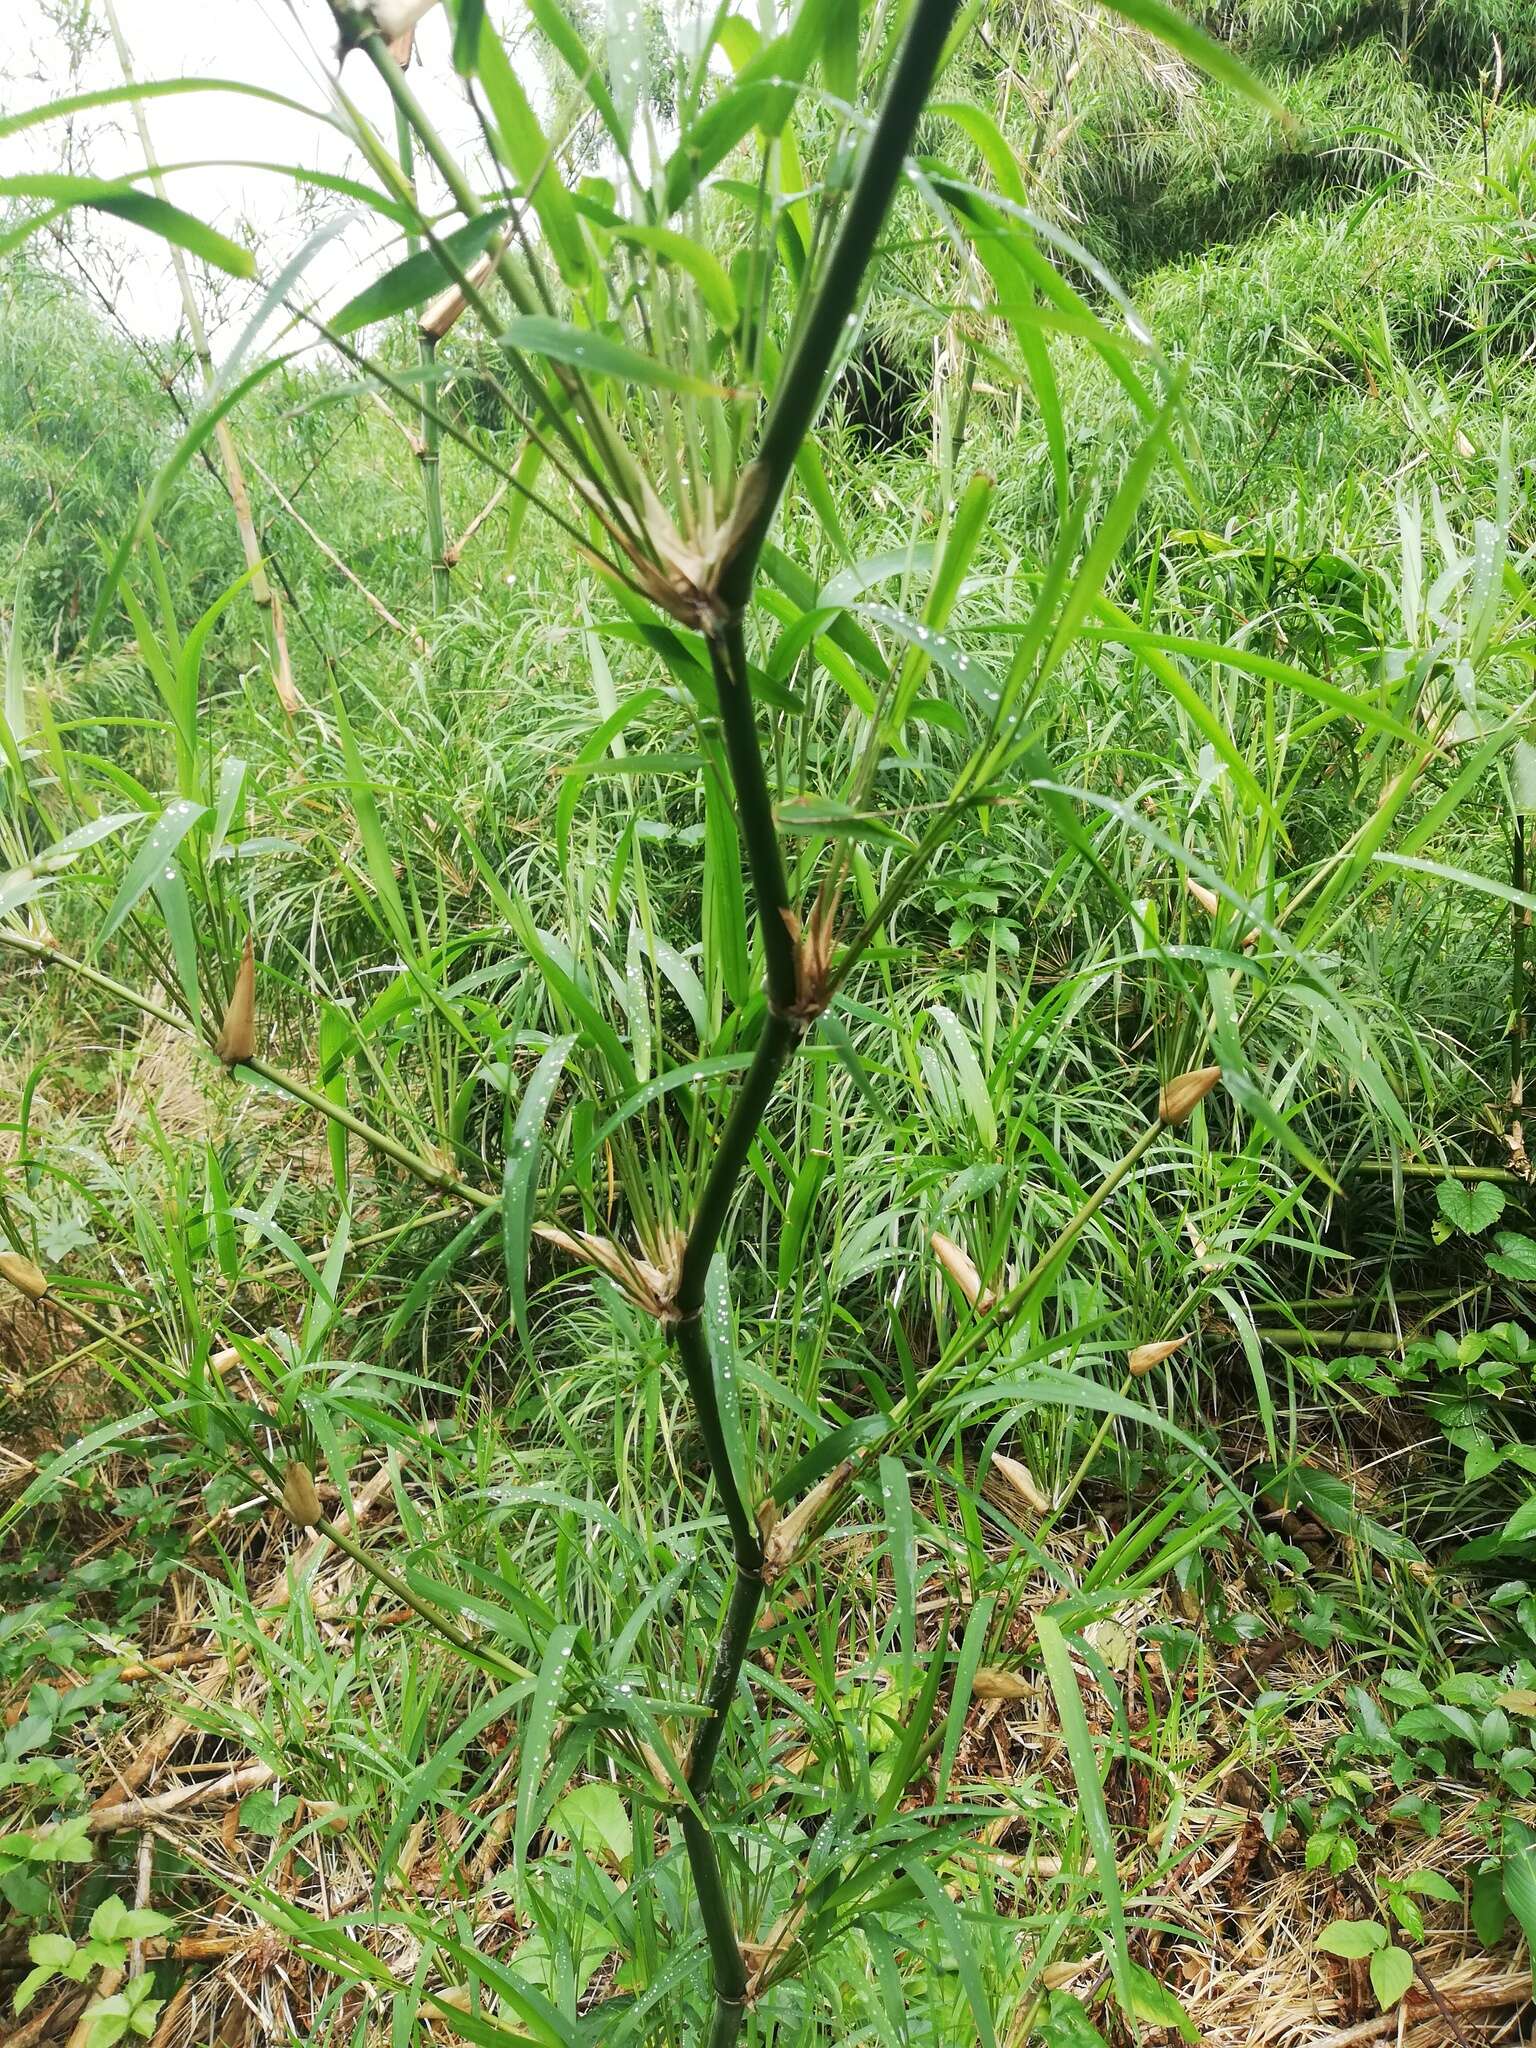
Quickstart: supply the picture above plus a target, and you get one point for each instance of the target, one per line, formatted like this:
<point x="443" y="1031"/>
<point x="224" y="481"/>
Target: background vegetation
<point x="1166" y="1666"/>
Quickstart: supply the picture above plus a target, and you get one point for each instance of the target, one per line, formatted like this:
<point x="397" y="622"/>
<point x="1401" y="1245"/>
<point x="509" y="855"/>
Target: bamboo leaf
<point x="435" y="1272"/>
<point x="538" y="1731"/>
<point x="598" y="355"/>
<point x="706" y="269"/>
<point x="1090" y="1793"/>
<point x="156" y="852"/>
<point x="520" y="1176"/>
<point x="419" y="277"/>
<point x="720" y="1338"/>
<point x="527" y="154"/>
<point x="1201" y="50"/>
<point x="143" y="209"/>
<point x="150" y="89"/>
<point x="896" y="1499"/>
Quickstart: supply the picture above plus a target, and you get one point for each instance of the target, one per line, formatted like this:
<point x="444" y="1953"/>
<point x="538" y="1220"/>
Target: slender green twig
<point x="430" y="1613"/>
<point x="733" y="688"/>
<point x="801" y="384"/>
<point x="314" y="1098"/>
<point x="429" y="441"/>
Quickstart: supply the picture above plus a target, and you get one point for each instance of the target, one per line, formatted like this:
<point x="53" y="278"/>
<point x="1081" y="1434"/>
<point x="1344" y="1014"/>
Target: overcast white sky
<point x="267" y="42"/>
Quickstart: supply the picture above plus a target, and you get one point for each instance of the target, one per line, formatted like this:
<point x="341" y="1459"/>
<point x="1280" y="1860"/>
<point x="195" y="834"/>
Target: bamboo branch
<point x="791" y="1006"/>
<point x="429" y="446"/>
<point x="376" y="1140"/>
<point x="801" y="383"/>
<point x="262" y="593"/>
<point x="376" y="603"/>
<point x="133" y="1813"/>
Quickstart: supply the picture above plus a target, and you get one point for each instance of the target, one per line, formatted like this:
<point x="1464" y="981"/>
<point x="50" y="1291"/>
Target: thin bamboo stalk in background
<point x="377" y="604"/>
<point x="1519" y="937"/>
<point x="262" y="593"/>
<point x="428" y="444"/>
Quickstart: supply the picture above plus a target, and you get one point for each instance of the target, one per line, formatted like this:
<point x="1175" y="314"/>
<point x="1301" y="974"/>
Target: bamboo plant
<point x="661" y="432"/>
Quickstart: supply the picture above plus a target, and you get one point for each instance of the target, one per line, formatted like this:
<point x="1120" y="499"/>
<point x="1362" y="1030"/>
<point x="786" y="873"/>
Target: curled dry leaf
<point x="961" y="1269"/>
<point x="1184" y="1092"/>
<point x="992" y="1683"/>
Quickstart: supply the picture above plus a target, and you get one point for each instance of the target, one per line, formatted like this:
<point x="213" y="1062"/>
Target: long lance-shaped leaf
<point x="1090" y="1790"/>
<point x="115" y="95"/>
<point x="521" y="1175"/>
<point x="143" y="209"/>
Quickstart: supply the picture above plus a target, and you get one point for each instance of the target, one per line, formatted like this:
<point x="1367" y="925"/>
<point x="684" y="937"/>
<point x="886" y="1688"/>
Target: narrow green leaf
<point x="466" y="36"/>
<point x="706" y="269"/>
<point x="828" y="816"/>
<point x="538" y="1730"/>
<point x="143" y="209"/>
<point x="150" y="89"/>
<point x="1090" y="1794"/>
<point x="520" y="1176"/>
<point x="419" y="277"/>
<point x="896" y="1501"/>
<point x="156" y="853"/>
<point x="1203" y="51"/>
<point x="598" y="355"/>
<point x="526" y="151"/>
<point x="973" y="1646"/>
<point x="947" y="1916"/>
<point x="435" y="1272"/>
<point x="720" y="1339"/>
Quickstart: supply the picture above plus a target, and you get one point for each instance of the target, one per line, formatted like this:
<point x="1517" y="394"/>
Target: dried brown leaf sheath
<point x="1145" y="1356"/>
<point x="1180" y="1095"/>
<point x="960" y="1267"/>
<point x="1210" y="903"/>
<point x="784" y="1538"/>
<point x="26" y="1278"/>
<point x="299" y="1496"/>
<point x="1021" y="1481"/>
<point x="237" y="1038"/>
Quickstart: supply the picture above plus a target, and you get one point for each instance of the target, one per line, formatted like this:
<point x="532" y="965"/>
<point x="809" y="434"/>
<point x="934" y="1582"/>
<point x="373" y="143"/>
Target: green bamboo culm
<point x="797" y="397"/>
<point x="794" y="997"/>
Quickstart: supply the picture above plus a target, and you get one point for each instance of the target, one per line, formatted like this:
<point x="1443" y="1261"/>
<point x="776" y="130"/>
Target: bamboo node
<point x="813" y="965"/>
<point x="650" y="1283"/>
